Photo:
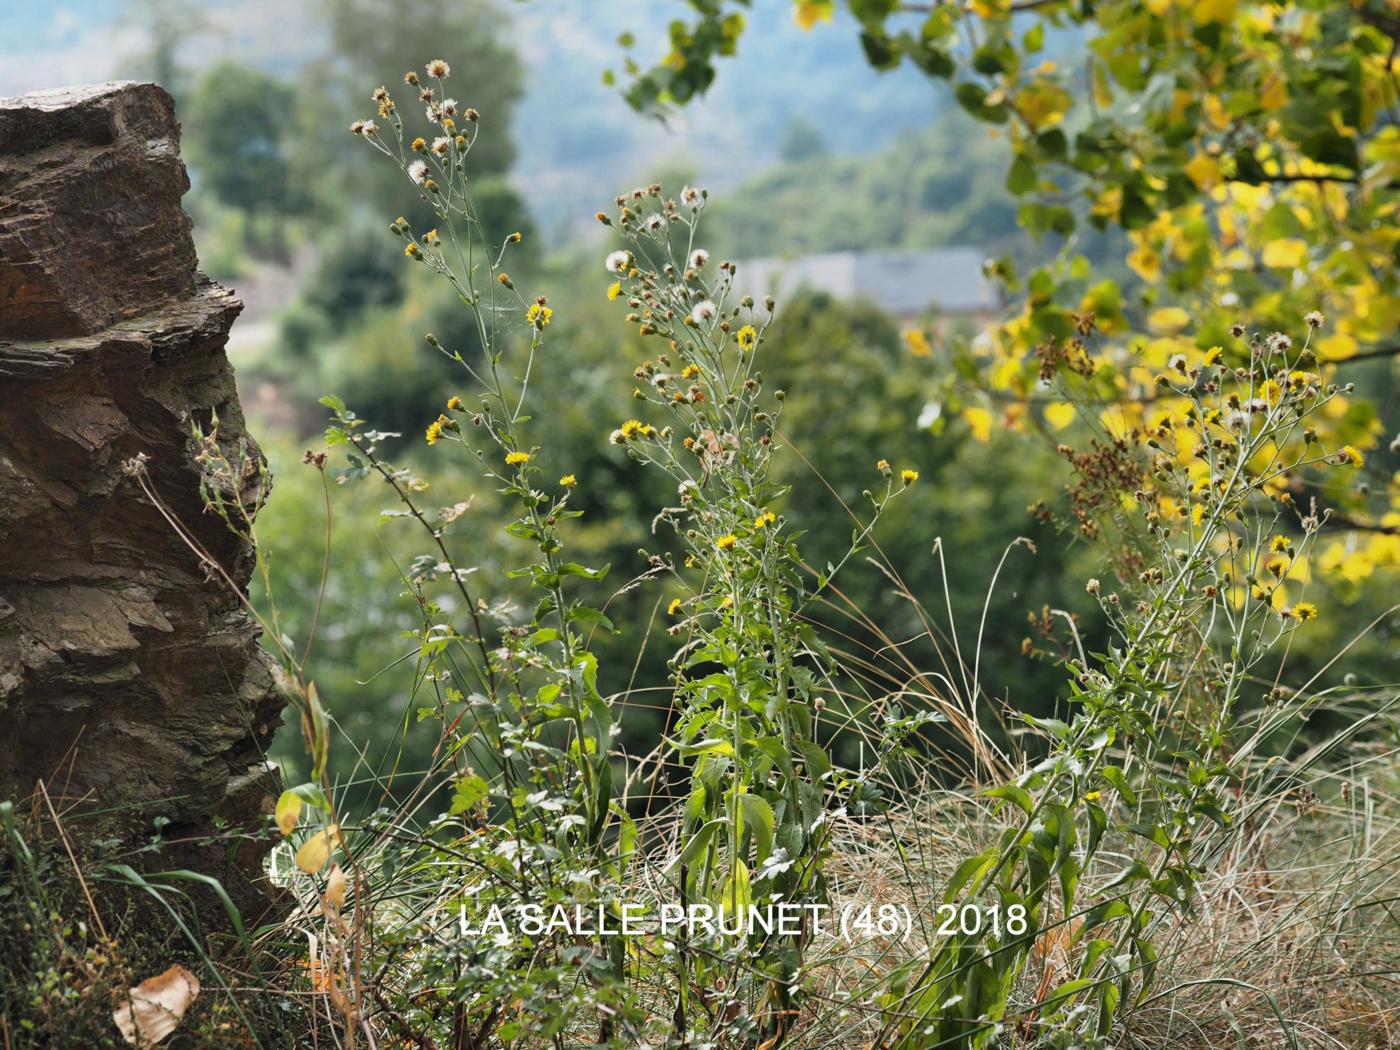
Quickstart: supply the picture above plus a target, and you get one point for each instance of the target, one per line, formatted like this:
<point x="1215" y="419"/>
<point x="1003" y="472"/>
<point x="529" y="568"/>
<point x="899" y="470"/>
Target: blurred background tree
<point x="240" y="150"/>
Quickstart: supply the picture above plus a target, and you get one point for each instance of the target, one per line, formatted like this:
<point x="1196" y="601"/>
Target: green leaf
<point x="1012" y="793"/>
<point x="969" y="872"/>
<point x="1067" y="990"/>
<point x="1022" y="176"/>
<point x="467" y="792"/>
<point x="573" y="568"/>
<point x="758" y="816"/>
<point x="736" y="894"/>
<point x="1116" y="777"/>
<point x="593" y="617"/>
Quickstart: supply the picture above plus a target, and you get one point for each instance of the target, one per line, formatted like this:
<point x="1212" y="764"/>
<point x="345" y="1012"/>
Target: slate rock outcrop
<point x="131" y="678"/>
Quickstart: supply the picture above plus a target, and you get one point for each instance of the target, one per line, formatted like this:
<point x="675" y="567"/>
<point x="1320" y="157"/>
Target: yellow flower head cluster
<point x="764" y="520"/>
<point x="747" y="337"/>
<point x="568" y="481"/>
<point x="726" y="541"/>
<point x="434" y="432"/>
<point x="514" y="459"/>
<point x="539" y="315"/>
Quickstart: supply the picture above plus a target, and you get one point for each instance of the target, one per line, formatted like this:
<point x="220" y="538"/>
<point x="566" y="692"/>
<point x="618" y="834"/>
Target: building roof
<point x="903" y="282"/>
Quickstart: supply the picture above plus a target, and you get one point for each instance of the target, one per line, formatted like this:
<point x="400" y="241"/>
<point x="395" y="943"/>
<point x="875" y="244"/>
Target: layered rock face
<point x="130" y="673"/>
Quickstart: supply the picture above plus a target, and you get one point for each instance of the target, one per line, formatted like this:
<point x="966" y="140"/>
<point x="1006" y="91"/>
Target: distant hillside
<point x="942" y="185"/>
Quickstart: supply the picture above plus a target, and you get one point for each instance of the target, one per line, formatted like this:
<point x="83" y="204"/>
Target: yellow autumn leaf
<point x="334" y="897"/>
<point x="1204" y="171"/>
<point x="1060" y="414"/>
<point x="1337" y="347"/>
<point x="1221" y="11"/>
<point x="979" y="421"/>
<point x="1145" y="262"/>
<point x="288" y="812"/>
<point x="807" y="13"/>
<point x="1043" y="105"/>
<point x="1285" y="254"/>
<point x="316" y="851"/>
<point x="1275" y="94"/>
<point x="917" y="342"/>
<point x="1168" y="320"/>
<point x="1215" y="112"/>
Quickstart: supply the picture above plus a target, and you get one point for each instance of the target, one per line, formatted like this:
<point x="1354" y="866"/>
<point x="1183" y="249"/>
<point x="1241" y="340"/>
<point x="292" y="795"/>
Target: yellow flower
<point x="883" y="466"/>
<point x="514" y="459"/>
<point x="979" y="422"/>
<point x="690" y="371"/>
<point x="1303" y="612"/>
<point x="431" y="236"/>
<point x="614" y="290"/>
<point x="1168" y="320"/>
<point x="1277" y="565"/>
<point x="454" y="404"/>
<point x="539" y="315"/>
<point x="568" y="481"/>
<point x="1145" y="262"/>
<point x="635" y="428"/>
<point x="1285" y="254"/>
<point x="1351" y="454"/>
<point x="727" y="602"/>
<point x="411" y="250"/>
<point x="909" y="476"/>
<point x="747" y="337"/>
<point x="434" y="432"/>
<point x="1092" y="796"/>
<point x="674" y="607"/>
<point x="765" y="519"/>
<point x="1280" y="544"/>
<point x="1213" y="355"/>
<point x="726" y="541"/>
<point x="917" y="342"/>
<point x="419" y="145"/>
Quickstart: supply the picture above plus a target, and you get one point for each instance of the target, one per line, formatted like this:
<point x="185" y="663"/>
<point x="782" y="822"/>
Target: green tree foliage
<point x="802" y="141"/>
<point x="234" y="117"/>
<point x="933" y="187"/>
